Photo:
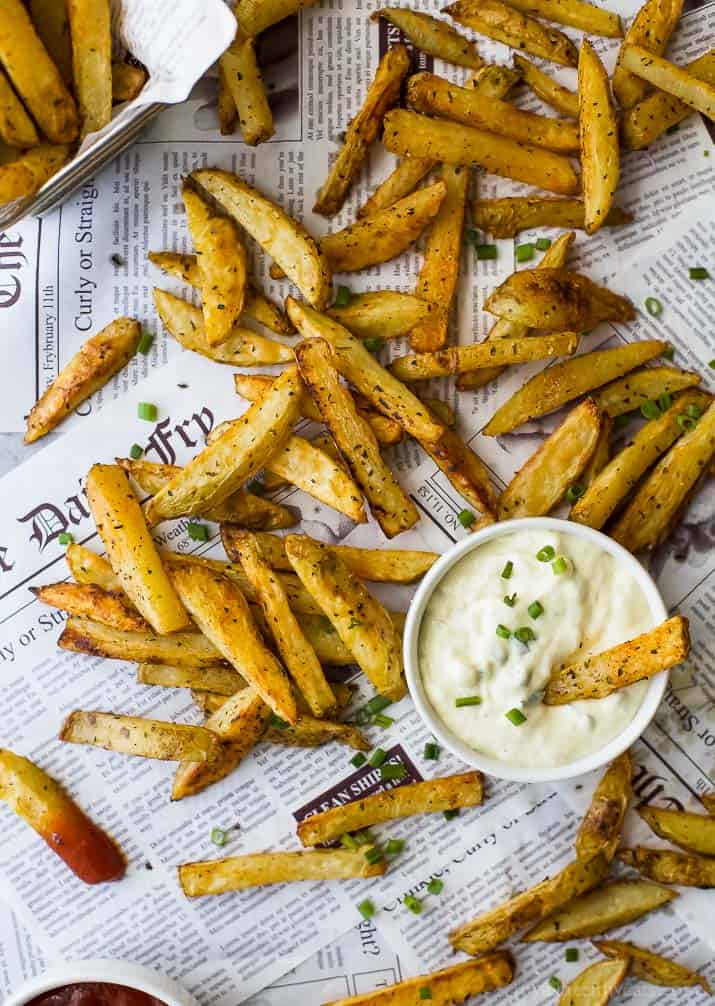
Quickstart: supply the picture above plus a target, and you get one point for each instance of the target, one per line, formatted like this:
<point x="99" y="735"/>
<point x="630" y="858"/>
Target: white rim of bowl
<point x="501" y="770"/>
<point x="109" y="971"/>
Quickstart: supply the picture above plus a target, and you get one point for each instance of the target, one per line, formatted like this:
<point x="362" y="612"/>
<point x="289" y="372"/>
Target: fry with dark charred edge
<point x="127" y="81"/>
<point x="242" y="74"/>
<point x="598" y="130"/>
<point x="545" y="87"/>
<point x="409" y="134"/>
<point x="668" y="867"/>
<point x="91" y="62"/>
<point x="220" y="680"/>
<point x="185" y="649"/>
<point x="651" y="27"/>
<point x="505" y="218"/>
<point x="383" y="92"/>
<point x="600" y="830"/>
<point x="504" y="23"/>
<point x="630" y="392"/>
<point x="575" y="13"/>
<point x="658" y="111"/>
<point x="24" y="175"/>
<point x="595" y="985"/>
<point x="52" y="813"/>
<point x="91" y="601"/>
<point x="99" y="359"/>
<point x="382" y="314"/>
<point x="436" y="38"/>
<point x="622" y="665"/>
<point x="666" y="76"/>
<point x="694" y="832"/>
<point x="134" y="735"/>
<point x="401" y="181"/>
<point x="16" y="127"/>
<point x="650" y="967"/>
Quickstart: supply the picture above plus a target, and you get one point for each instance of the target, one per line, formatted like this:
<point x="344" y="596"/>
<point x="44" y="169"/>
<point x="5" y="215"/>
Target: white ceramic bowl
<point x="492" y="766"/>
<point x="114" y="972"/>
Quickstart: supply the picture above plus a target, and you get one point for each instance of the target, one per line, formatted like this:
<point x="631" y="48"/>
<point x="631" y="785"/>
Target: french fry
<point x="630" y="392"/>
<point x="24" y="175"/>
<point x="504" y="23"/>
<point x="505" y="218"/>
<point x="99" y="359"/>
<point x="363" y="625"/>
<point x="225" y="105"/>
<point x="34" y="76"/>
<point x="254" y="16"/>
<point x="551" y="388"/>
<point x="600" y="830"/>
<point x="311" y="732"/>
<point x="614" y="904"/>
<point x="381" y="314"/>
<point x="242" y="347"/>
<point x="622" y="665"/>
<point x="131" y="549"/>
<point x="708" y="802"/>
<point x="543" y="480"/>
<point x="619" y="477"/>
<point x="693" y="832"/>
<point x="58" y="820"/>
<point x="287" y="242"/>
<point x="649" y="516"/>
<point x="443" y="411"/>
<point x="88" y="567"/>
<point x="545" y="87"/>
<point x="598" y="130"/>
<point x="381" y="237"/>
<point x="16" y="127"/>
<point x="362" y="370"/>
<point x="209" y="703"/>
<point x="52" y="24"/>
<point x="318" y="475"/>
<point x="652" y="27"/>
<point x="667" y="867"/>
<point x="466" y="471"/>
<point x="216" y="679"/>
<point x="184" y="649"/>
<point x="575" y="13"/>
<point x="242" y="75"/>
<point x="127" y="81"/>
<point x="650" y="967"/>
<point x="409" y="134"/>
<point x="92" y="602"/>
<point x="319" y="631"/>
<point x="91" y="62"/>
<point x="429" y="797"/>
<point x="601" y="454"/>
<point x="595" y="985"/>
<point x="401" y="181"/>
<point x="134" y="735"/>
<point x="493" y="80"/>
<point x="383" y="92"/>
<point x="666" y="76"/>
<point x="455" y="984"/>
<point x="658" y="111"/>
<point x="497" y="924"/>
<point x="436" y="38"/>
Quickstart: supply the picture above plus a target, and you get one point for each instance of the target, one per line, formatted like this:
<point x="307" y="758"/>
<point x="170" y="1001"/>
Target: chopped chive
<point x="711" y="364"/>
<point x="665" y="401"/>
<point x="358" y="759"/>
<point x="413" y="904"/>
<point x="571" y="954"/>
<point x="362" y="717"/>
<point x="147" y="411"/>
<point x="653" y="306"/>
<point x="349" y="841"/>
<point x="394" y="846"/>
<point x="524" y="252"/>
<point x="508" y="569"/>
<point x="135" y="452"/>
<point x="218" y="836"/>
<point x="693" y="411"/>
<point x="197" y="532"/>
<point x="256" y="487"/>
<point x="466" y="518"/>
<point x="560" y="565"/>
<point x="555" y="983"/>
<point x="510" y="600"/>
<point x="435" y="886"/>
<point x="471" y="236"/>
<point x="525" y="634"/>
<point x="393" y="773"/>
<point x="516" y="717"/>
<point x="425" y="992"/>
<point x="145" y="343"/>
<point x="343" y="296"/>
<point x="65" y="538"/>
<point x="650" y="410"/>
<point x="535" y="609"/>
<point x="543" y="244"/>
<point x="377" y="703"/>
<point x="685" y="422"/>
<point x="698" y="272"/>
<point x="574" y="492"/>
<point x="377" y="757"/>
<point x="374" y="855"/>
<point x="450" y="814"/>
<point x="468" y="700"/>
<point x="277" y="723"/>
<point x="502" y="631"/>
<point x="364" y="837"/>
<point x="366" y="908"/>
<point x="431" y="751"/>
<point x="485" y="252"/>
<point x="380" y="720"/>
<point x="373" y="343"/>
<point x="546" y="554"/>
<point x="668" y="353"/>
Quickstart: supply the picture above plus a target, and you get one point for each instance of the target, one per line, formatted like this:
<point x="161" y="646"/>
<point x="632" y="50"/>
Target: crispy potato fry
<point x="543" y="480"/>
<point x="208" y="702"/>
<point x="436" y="38"/>
<point x="318" y="475"/>
<point x="52" y="813"/>
<point x="226" y="106"/>
<point x="359" y="619"/>
<point x="34" y="76"/>
<point x="658" y="111"/>
<point x="310" y="732"/>
<point x="466" y="471"/>
<point x="127" y="81"/>
<point x="575" y="13"/>
<point x="649" y="516"/>
<point x="694" y="832"/>
<point x="99" y="359"/>
<point x="601" y="454"/>
<point x="412" y="135"/>
<point x="667" y="867"/>
<point x="504" y="23"/>
<point x="598" y="130"/>
<point x="666" y="76"/>
<point x="614" y="904"/>
<point x="319" y="631"/>
<point x="91" y="62"/>
<point x="443" y="411"/>
<point x="229" y="721"/>
<point x="622" y="665"/>
<point x="497" y="924"/>
<point x="131" y="549"/>
<point x="595" y="985"/>
<point x="362" y="370"/>
<point x="493" y="80"/>
<point x="254" y="16"/>
<point x="135" y="735"/>
<point x="91" y="601"/>
<point x="545" y="87"/>
<point x="281" y="237"/>
<point x="24" y="175"/>
<point x="630" y="392"/>
<point x="52" y="24"/>
<point x="652" y="27"/>
<point x="650" y="967"/>
<point x="88" y="567"/>
<point x="16" y="127"/>
<point x="429" y="797"/>
<point x="218" y="680"/>
<point x="551" y="388"/>
<point x="401" y="181"/>
<point x="242" y="75"/>
<point x="184" y="649"/>
<point x="600" y="830"/>
<point x="450" y="985"/>
<point x="383" y="92"/>
<point x="505" y="218"/>
<point x="619" y="477"/>
<point x="381" y="314"/>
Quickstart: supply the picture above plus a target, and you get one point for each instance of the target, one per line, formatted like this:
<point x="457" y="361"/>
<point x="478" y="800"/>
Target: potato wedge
<point x="363" y="625"/>
<point x="601" y="454"/>
<point x="497" y="924"/>
<point x="622" y="665"/>
<point x="34" y="76"/>
<point x="16" y="127"/>
<point x="650" y="967"/>
<point x="184" y="649"/>
<point x="564" y="101"/>
<point x="494" y="80"/>
<point x="455" y="984"/>
<point x="666" y="76"/>
<point x="91" y="601"/>
<point x="311" y="732"/>
<point x="694" y="832"/>
<point x="91" y="62"/>
<point x="134" y="735"/>
<point x="557" y="464"/>
<point x="505" y="218"/>
<point x="318" y="475"/>
<point x="52" y="24"/>
<point x="88" y="567"/>
<point x="551" y="388"/>
<point x="242" y="74"/>
<point x="58" y="820"/>
<point x="600" y="830"/>
<point x="193" y="777"/>
<point x="504" y="23"/>
<point x="362" y="370"/>
<point x="658" y="111"/>
<point x="708" y="802"/>
<point x="557" y="299"/>
<point x="667" y="867"/>
<point x="587" y="17"/>
<point x="614" y="904"/>
<point x="216" y="679"/>
<point x="436" y="38"/>
<point x="99" y="359"/>
<point x="401" y="181"/>
<point x="619" y="477"/>
<point x="254" y="16"/>
<point x="466" y="471"/>
<point x="281" y="237"/>
<point x="598" y="130"/>
<point x="649" y="516"/>
<point x="630" y="392"/>
<point x="651" y="27"/>
<point x="383" y="92"/>
<point x="409" y="134"/>
<point x="127" y="81"/>
<point x="429" y="797"/>
<point x="595" y="985"/>
<point x="381" y="314"/>
<point x="24" y="175"/>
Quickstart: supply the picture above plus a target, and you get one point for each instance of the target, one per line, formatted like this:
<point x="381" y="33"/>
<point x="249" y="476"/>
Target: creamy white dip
<point x="594" y="605"/>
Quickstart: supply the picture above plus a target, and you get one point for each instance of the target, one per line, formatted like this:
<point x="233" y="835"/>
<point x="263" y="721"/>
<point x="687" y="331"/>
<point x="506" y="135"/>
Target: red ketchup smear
<point x="94" y="994"/>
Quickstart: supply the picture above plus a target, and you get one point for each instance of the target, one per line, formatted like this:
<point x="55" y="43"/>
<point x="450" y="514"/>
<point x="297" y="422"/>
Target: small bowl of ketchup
<point x="100" y="983"/>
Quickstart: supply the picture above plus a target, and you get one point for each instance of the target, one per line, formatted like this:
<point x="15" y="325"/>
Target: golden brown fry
<point x="630" y="392"/>
<point x="694" y="832"/>
<point x="381" y="314"/>
<point x="24" y="175"/>
<point x="666" y="76"/>
<point x="575" y="13"/>
<point x="505" y="24"/>
<point x="436" y="38"/>
<point x="52" y="24"/>
<point x="88" y="567"/>
<point x="135" y="735"/>
<point x="551" y="388"/>
<point x="99" y="359"/>
<point x="497" y="924"/>
<point x="317" y="474"/>
<point x="226" y="106"/>
<point x="319" y="631"/>
<point x="622" y="665"/>
<point x="127" y="81"/>
<point x="708" y="802"/>
<point x="16" y="127"/>
<point x="544" y="479"/>
<point x="595" y="985"/>
<point x="494" y="80"/>
<point x="545" y="87"/>
<point x="601" y="454"/>
<point x="652" y="27"/>
<point x="466" y="471"/>
<point x="91" y="61"/>
<point x="409" y="134"/>
<point x="401" y="181"/>
<point x="614" y="904"/>
<point x="185" y="649"/>
<point x="658" y="111"/>
<point x="650" y="967"/>
<point x="598" y="129"/>
<point x="505" y="218"/>
<point x="92" y="602"/>
<point x="667" y="867"/>
<point x="649" y="516"/>
<point x="600" y="830"/>
<point x="218" y="680"/>
<point x="310" y="732"/>
<point x="242" y="75"/>
<point x="281" y="237"/>
<point x="443" y="411"/>
<point x="254" y="16"/>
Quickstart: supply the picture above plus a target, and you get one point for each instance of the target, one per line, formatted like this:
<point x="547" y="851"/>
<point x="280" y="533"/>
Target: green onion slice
<point x="343" y="296"/>
<point x="358" y="759"/>
<point x="516" y="717"/>
<point x="377" y="757"/>
<point x="525" y="252"/>
<point x="698" y="272"/>
<point x="435" y="886"/>
<point x="431" y="751"/>
<point x="650" y="410"/>
<point x="147" y="411"/>
<point x="197" y="532"/>
<point x="535" y="609"/>
<point x="366" y="908"/>
<point x="502" y="631"/>
<point x="485" y="252"/>
<point x="135" y="452"/>
<point x="218" y="836"/>
<point x="468" y="700"/>
<point x="393" y="773"/>
<point x="546" y="554"/>
<point x="653" y="306"/>
<point x="466" y="518"/>
<point x="509" y="566"/>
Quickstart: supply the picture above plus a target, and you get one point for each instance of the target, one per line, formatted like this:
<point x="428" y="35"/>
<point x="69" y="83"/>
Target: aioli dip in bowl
<point x="496" y="615"/>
